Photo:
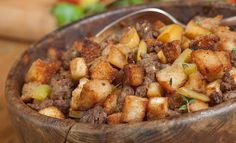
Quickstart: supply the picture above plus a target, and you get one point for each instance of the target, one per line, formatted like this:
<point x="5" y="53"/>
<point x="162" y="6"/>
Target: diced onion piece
<point x="78" y="68"/>
<point x="142" y="49"/>
<point x="184" y="57"/>
<point x="171" y="33"/>
<point x="117" y="58"/>
<point x="130" y="38"/>
<point x="162" y="57"/>
<point x="193" y="30"/>
<point x="192" y="94"/>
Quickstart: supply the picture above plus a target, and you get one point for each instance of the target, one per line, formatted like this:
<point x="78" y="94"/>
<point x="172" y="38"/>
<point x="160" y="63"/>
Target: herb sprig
<point x="188" y="102"/>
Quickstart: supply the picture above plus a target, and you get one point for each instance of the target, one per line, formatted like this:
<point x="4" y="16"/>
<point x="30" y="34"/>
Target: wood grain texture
<point x="216" y="124"/>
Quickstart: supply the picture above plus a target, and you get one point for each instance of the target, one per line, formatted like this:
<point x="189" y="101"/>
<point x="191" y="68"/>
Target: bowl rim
<point x="14" y="96"/>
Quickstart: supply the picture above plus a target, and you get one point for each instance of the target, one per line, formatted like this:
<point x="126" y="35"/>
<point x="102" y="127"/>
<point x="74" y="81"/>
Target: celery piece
<point x="41" y="92"/>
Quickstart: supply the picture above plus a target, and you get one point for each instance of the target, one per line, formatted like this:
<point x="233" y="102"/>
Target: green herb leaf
<point x="66" y="13"/>
<point x="234" y="50"/>
<point x="183" y="107"/>
<point x="191" y="101"/>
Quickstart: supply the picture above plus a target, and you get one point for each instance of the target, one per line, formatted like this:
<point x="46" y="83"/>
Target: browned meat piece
<point x="62" y="85"/>
<point x="41" y="105"/>
<point x="175" y="101"/>
<point x="63" y="105"/>
<point x="216" y="98"/>
<point x="227" y="83"/>
<point x="119" y="77"/>
<point x="95" y="115"/>
<point x="207" y="42"/>
<point x="144" y="29"/>
<point x="153" y="45"/>
<point x="229" y="95"/>
<point x="126" y="90"/>
<point x="172" y="50"/>
<point x="90" y="50"/>
<point x="133" y="74"/>
<point x="233" y="58"/>
<point x="142" y="90"/>
<point x="150" y="64"/>
<point x="67" y="56"/>
<point x="131" y="58"/>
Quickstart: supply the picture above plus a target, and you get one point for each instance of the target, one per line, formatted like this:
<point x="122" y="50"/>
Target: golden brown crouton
<point x="134" y="109"/>
<point x="196" y="82"/>
<point x="213" y="87"/>
<point x="53" y="112"/>
<point x="78" y="68"/>
<point x="171" y="33"/>
<point x="210" y="23"/>
<point x="172" y="50"/>
<point x="89" y="50"/>
<point x="171" y="78"/>
<point x="94" y="92"/>
<point x="27" y="91"/>
<point x="114" y="118"/>
<point x="133" y="74"/>
<point x="111" y="102"/>
<point x="224" y="58"/>
<point x="198" y="105"/>
<point x="194" y="30"/>
<point x="117" y="58"/>
<point x="208" y="63"/>
<point x="41" y="71"/>
<point x="154" y="90"/>
<point x="157" y="108"/>
<point x="130" y="38"/>
<point x="74" y="103"/>
<point x="102" y="69"/>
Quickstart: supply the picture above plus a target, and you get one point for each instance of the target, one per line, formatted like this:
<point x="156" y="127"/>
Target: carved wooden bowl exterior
<point x="216" y="124"/>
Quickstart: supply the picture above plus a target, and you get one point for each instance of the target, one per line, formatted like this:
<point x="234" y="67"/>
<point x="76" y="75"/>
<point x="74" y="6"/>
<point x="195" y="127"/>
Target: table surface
<point x="9" y="52"/>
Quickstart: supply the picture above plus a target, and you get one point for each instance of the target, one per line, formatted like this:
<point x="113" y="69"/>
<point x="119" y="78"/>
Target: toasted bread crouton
<point x="196" y="82"/>
<point x="198" y="105"/>
<point x="134" y="109"/>
<point x="89" y="50"/>
<point x="102" y="69"/>
<point x="114" y="118"/>
<point x="53" y="112"/>
<point x="41" y="71"/>
<point x="78" y="68"/>
<point x="171" y="78"/>
<point x="130" y="38"/>
<point x="27" y="91"/>
<point x="171" y="33"/>
<point x="133" y="74"/>
<point x="172" y="50"/>
<point x="94" y="92"/>
<point x="227" y="38"/>
<point x="111" y="102"/>
<point x="117" y="58"/>
<point x="224" y="58"/>
<point x="157" y="108"/>
<point x="213" y="87"/>
<point x="232" y="73"/>
<point x="208" y="63"/>
<point x="154" y="90"/>
<point x="194" y="30"/>
<point x="210" y="23"/>
<point x="74" y="103"/>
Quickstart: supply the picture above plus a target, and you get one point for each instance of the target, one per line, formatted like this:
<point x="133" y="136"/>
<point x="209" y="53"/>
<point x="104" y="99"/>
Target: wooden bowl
<point x="217" y="124"/>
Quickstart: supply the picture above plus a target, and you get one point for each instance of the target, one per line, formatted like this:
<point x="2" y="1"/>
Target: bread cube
<point x="133" y="74"/>
<point x="53" y="112"/>
<point x="130" y="38"/>
<point x="134" y="109"/>
<point x="208" y="63"/>
<point x="78" y="68"/>
<point x="94" y="92"/>
<point x="196" y="82"/>
<point x="224" y="59"/>
<point x="154" y="90"/>
<point x="74" y="103"/>
<point x="171" y="33"/>
<point x="232" y="73"/>
<point x="111" y="102"/>
<point x="117" y="58"/>
<point x="41" y="71"/>
<point x="194" y="30"/>
<point x="103" y="70"/>
<point x="171" y="78"/>
<point x="114" y="118"/>
<point x="27" y="91"/>
<point x="198" y="105"/>
<point x="157" y="108"/>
